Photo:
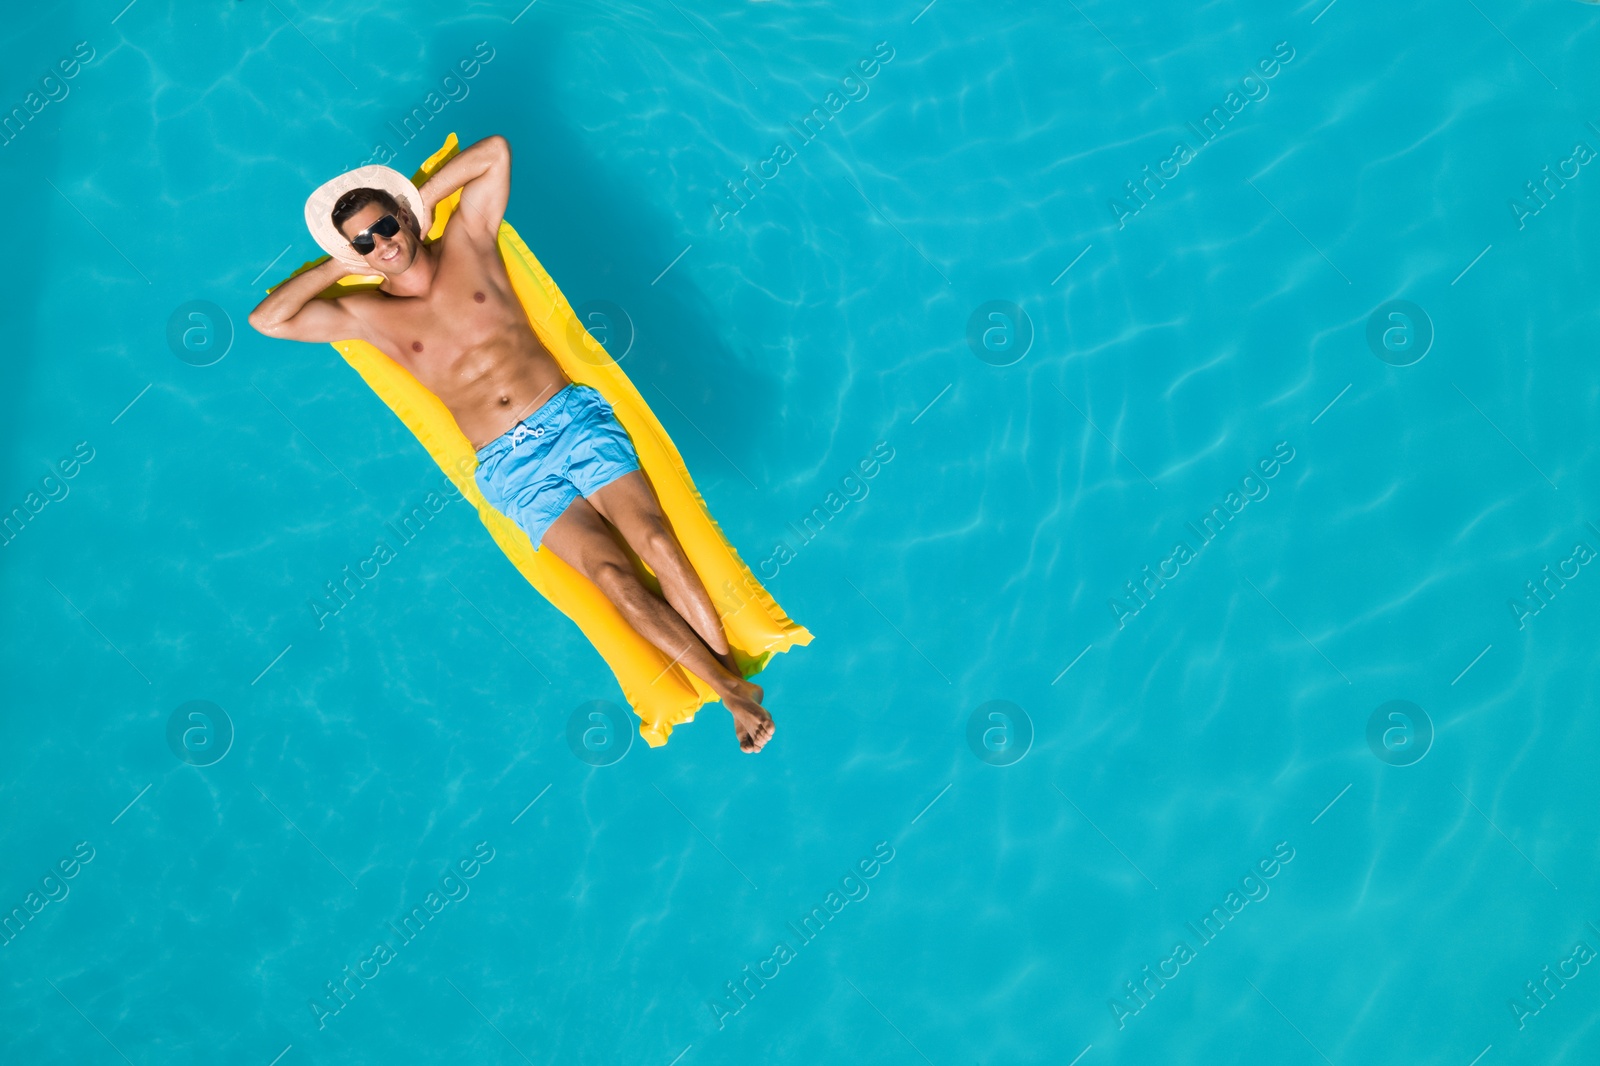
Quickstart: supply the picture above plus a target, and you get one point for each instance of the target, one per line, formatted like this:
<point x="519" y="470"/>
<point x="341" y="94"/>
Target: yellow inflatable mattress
<point x="661" y="693"/>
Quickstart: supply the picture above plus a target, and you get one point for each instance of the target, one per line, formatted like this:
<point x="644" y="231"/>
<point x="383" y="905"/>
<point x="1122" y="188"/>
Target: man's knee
<point x="616" y="582"/>
<point x="657" y="546"/>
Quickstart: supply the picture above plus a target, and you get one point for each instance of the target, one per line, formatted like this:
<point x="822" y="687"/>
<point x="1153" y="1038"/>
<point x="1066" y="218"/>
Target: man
<point x="551" y="456"/>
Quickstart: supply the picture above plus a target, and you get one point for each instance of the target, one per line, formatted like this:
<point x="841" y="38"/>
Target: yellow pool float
<point x="662" y="693"/>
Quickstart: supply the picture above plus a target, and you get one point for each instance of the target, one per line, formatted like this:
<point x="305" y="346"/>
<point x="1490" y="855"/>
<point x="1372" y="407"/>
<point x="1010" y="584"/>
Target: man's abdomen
<point x="494" y="389"/>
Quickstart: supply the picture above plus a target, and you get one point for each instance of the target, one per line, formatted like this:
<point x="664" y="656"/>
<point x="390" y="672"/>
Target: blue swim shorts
<point x="572" y="446"/>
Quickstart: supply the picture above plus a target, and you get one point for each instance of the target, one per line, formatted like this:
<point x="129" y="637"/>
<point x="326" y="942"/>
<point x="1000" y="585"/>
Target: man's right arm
<point x="293" y="312"/>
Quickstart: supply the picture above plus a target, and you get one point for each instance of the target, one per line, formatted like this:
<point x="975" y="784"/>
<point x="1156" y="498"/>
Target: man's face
<point x="389" y="255"/>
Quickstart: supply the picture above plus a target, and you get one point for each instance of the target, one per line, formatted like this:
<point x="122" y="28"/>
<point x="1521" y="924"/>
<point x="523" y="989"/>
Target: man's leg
<point x="581" y="539"/>
<point x="630" y="504"/>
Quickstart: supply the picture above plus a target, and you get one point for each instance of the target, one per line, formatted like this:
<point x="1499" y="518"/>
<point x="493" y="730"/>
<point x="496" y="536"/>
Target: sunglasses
<point x="385" y="226"/>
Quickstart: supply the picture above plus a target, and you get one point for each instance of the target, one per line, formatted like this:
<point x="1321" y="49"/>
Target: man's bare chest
<point x="467" y="310"/>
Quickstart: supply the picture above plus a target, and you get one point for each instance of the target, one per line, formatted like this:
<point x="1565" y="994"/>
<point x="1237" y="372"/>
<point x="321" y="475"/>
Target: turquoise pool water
<point x="1190" y="529"/>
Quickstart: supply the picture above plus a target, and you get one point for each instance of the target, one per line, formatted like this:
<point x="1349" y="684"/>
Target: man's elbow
<point x="265" y="324"/>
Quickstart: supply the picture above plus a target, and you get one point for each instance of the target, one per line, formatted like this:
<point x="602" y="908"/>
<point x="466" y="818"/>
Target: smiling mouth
<point x="390" y="256"/>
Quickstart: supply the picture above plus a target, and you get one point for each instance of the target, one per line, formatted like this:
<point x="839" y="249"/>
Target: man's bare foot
<point x="751" y="722"/>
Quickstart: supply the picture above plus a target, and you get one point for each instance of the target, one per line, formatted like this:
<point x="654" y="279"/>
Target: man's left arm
<point x="483" y="174"/>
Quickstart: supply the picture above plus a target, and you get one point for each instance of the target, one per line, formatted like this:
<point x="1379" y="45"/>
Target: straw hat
<point x="319" y="209"/>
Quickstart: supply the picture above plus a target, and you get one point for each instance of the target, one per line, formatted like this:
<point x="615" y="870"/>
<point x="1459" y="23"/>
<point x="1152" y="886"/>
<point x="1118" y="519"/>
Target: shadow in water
<point x="32" y="155"/>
